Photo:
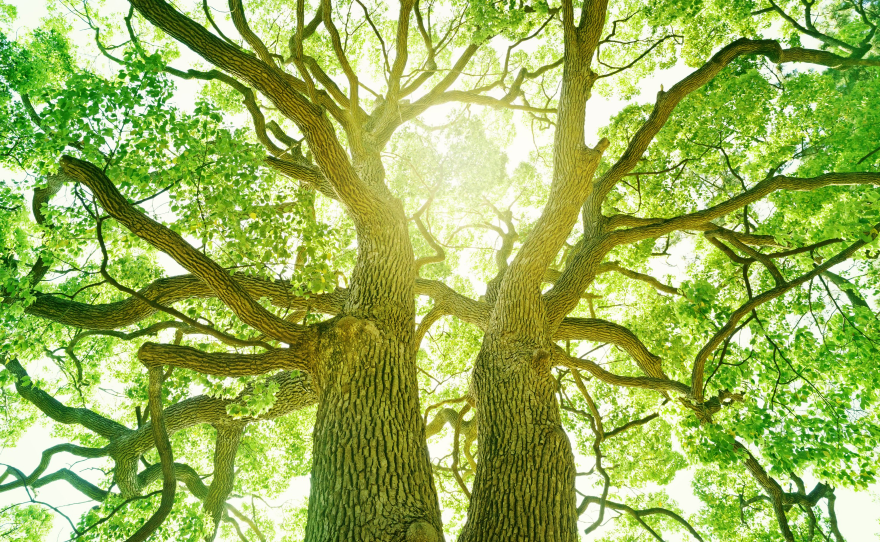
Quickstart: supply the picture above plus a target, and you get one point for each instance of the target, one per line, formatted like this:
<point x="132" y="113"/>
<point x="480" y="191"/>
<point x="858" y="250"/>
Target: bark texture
<point x="371" y="473"/>
<point x="371" y="478"/>
<point x="524" y="488"/>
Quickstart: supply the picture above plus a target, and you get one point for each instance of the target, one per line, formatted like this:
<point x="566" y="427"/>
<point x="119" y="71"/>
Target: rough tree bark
<point x="371" y="474"/>
<point x="524" y="485"/>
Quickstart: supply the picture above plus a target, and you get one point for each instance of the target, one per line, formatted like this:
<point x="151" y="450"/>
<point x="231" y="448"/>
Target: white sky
<point x="858" y="514"/>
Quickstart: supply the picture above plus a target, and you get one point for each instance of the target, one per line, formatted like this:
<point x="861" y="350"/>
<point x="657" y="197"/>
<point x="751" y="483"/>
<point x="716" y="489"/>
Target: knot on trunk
<point x="350" y="328"/>
<point x="541" y="359"/>
<point x="421" y="531"/>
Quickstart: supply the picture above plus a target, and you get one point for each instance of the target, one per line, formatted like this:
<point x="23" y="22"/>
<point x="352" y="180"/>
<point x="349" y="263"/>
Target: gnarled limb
<point x="425" y="324"/>
<point x="508" y="238"/>
<point x="770" y="486"/>
<point x="598" y="429"/>
<point x="170" y="290"/>
<point x="462" y="307"/>
<point x="224" y="338"/>
<point x="295" y="392"/>
<point x="355" y="113"/>
<point x="401" y="50"/>
<point x="560" y="357"/>
<point x="287" y="94"/>
<point x="182" y="473"/>
<point x="754" y="254"/>
<point x="638" y="515"/>
<point x="85" y="487"/>
<point x="126" y="446"/>
<point x="832" y="515"/>
<point x="519" y="299"/>
<point x="225" y="449"/>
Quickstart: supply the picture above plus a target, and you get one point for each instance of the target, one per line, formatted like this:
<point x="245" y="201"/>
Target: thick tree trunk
<point x="524" y="486"/>
<point x="371" y="473"/>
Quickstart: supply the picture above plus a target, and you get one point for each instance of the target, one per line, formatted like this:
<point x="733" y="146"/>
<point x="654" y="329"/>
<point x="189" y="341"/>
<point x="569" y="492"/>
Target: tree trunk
<point x="524" y="486"/>
<point x="371" y="473"/>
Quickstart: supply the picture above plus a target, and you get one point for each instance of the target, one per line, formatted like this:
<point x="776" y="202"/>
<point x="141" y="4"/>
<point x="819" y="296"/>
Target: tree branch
<point x="667" y="101"/>
<point x="602" y="331"/>
<point x="648" y="383"/>
<point x="167" y="291"/>
<point x="169" y="482"/>
<point x="59" y="412"/>
<point x="223" y="364"/>
<point x="697" y="220"/>
<point x="753" y="303"/>
<point x="168" y="241"/>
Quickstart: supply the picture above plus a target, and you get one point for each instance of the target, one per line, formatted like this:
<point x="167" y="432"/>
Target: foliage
<point x="788" y="388"/>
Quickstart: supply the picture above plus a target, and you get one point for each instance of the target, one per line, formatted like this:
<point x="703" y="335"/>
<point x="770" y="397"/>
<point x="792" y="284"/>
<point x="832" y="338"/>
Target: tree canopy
<point x="377" y="244"/>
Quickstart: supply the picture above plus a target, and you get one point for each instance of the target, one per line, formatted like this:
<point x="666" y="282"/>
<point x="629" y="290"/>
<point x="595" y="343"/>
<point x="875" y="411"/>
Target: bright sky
<point x="859" y="515"/>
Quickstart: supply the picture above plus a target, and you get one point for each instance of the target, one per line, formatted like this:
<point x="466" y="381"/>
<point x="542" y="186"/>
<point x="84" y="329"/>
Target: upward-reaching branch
<point x="168" y="241"/>
<point x="667" y="101"/>
<point x="286" y="92"/>
<point x="169" y="482"/>
<point x="239" y="19"/>
<point x="401" y="50"/>
<point x="573" y="167"/>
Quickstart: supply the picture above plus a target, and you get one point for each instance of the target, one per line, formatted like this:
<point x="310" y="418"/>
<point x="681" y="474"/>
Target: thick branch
<point x="295" y="392"/>
<point x="167" y="291"/>
<point x="168" y="241"/>
<point x="696" y="221"/>
<point x="602" y="331"/>
<point x="239" y="19"/>
<point x="667" y="101"/>
<point x="61" y="413"/>
<point x="285" y="92"/>
<point x="648" y="383"/>
<point x="222" y="364"/>
<point x="225" y="450"/>
<point x="85" y="487"/>
<point x="401" y="50"/>
<point x="160" y="436"/>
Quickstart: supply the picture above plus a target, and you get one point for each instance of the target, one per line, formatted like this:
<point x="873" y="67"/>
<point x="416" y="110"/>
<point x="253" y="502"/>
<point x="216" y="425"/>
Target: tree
<point x="325" y="241"/>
